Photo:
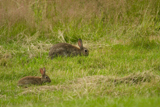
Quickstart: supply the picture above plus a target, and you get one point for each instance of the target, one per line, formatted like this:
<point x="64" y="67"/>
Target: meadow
<point x="123" y="66"/>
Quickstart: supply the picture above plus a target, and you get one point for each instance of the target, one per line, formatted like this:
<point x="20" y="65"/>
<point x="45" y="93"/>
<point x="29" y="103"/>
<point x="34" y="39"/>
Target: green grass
<point x="117" y="61"/>
<point x="123" y="66"/>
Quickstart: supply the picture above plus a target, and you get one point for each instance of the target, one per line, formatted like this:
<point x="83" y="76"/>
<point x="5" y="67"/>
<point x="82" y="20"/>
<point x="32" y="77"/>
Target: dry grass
<point x="49" y="12"/>
<point x="98" y="84"/>
<point x="118" y="21"/>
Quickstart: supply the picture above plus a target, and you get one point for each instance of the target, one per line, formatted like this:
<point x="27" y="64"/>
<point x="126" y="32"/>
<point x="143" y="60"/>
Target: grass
<point x="74" y="81"/>
<point x="122" y="68"/>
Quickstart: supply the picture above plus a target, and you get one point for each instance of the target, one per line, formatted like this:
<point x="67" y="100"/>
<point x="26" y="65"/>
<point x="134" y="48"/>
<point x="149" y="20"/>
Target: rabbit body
<point x="34" y="80"/>
<point x="30" y="80"/>
<point x="65" y="49"/>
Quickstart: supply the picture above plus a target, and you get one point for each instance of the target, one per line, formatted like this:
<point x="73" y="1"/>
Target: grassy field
<point x="123" y="66"/>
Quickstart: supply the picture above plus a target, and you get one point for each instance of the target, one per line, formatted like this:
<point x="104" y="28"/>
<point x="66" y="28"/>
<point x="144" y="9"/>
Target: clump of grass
<point x="138" y="78"/>
<point x="3" y="62"/>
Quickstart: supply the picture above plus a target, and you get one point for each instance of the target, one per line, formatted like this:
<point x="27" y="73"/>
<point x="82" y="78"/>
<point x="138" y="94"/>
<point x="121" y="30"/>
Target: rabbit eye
<point x="46" y="77"/>
<point x="85" y="50"/>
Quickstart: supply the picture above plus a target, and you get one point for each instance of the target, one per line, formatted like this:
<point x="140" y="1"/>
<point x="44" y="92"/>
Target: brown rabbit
<point x="65" y="49"/>
<point x="34" y="80"/>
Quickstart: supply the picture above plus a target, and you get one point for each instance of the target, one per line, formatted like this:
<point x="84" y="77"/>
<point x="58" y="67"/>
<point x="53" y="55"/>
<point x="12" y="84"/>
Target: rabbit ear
<point x="42" y="71"/>
<point x="80" y="43"/>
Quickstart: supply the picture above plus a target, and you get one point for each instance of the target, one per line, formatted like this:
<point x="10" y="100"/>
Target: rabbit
<point x="34" y="80"/>
<point x="65" y="49"/>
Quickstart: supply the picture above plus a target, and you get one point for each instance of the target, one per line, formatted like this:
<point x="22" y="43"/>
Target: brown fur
<point x="34" y="80"/>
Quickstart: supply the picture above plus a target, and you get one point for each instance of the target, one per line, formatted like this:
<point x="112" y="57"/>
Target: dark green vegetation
<point x="123" y="68"/>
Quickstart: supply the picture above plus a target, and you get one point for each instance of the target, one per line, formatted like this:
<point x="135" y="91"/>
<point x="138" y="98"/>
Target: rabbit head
<point x="45" y="78"/>
<point x="83" y="50"/>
